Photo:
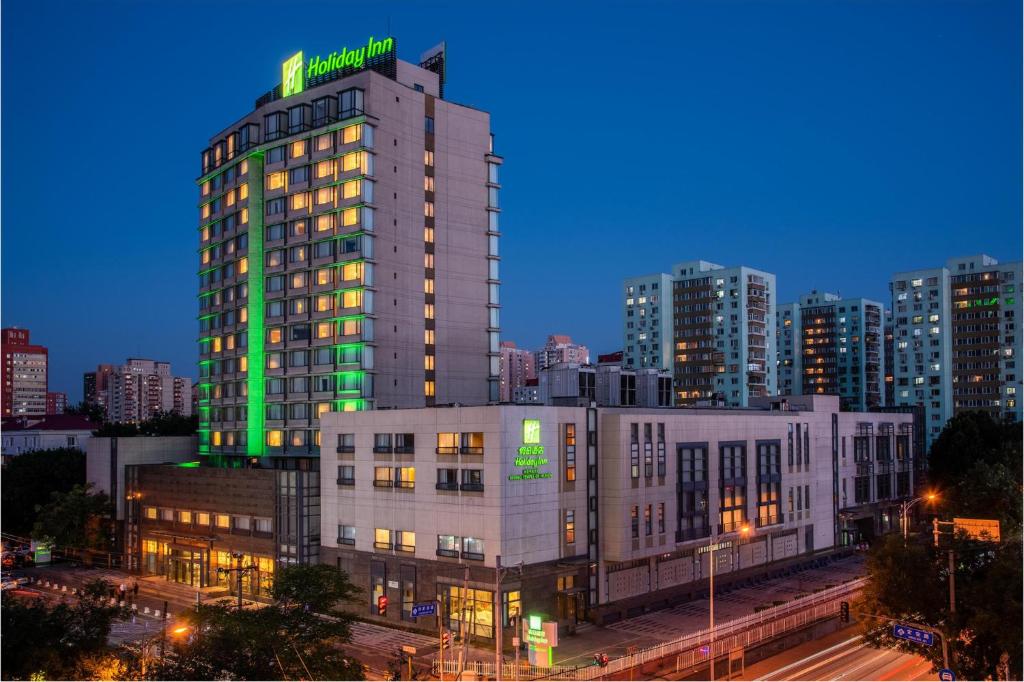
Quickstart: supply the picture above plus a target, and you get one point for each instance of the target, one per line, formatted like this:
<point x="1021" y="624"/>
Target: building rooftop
<point x="50" y="422"/>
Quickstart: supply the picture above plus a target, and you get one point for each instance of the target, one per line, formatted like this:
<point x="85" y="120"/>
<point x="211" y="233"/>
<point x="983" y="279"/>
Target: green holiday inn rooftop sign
<point x="295" y="71"/>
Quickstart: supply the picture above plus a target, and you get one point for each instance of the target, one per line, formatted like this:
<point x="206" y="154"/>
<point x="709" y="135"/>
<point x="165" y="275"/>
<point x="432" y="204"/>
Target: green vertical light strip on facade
<point x="255" y="412"/>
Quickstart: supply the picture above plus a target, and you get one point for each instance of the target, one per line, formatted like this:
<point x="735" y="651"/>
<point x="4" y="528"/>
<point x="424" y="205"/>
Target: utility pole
<point x="711" y="621"/>
<point x="497" y="618"/>
<point x="462" y="618"/>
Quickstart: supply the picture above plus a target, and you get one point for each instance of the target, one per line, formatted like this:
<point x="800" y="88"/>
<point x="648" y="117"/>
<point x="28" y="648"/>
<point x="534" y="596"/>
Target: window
<point x="185" y="517"/>
<point x="447" y="479"/>
<point x="570" y="526"/>
<point x="634" y="451"/>
<point x="262" y="525"/>
<point x="241" y="523"/>
<point x="346" y="535"/>
<point x="150" y="512"/>
<point x="570" y="452"/>
<point x="346" y="474"/>
<point x="405" y="477"/>
<point x="473" y="548"/>
<point x="383" y="477"/>
<point x="473" y="479"/>
<point x="203" y="519"/>
<point x="223" y="521"/>
<point x="382" y="442"/>
<point x="472" y="443"/>
<point x="661" y="449"/>
<point x="447" y="443"/>
<point x="405" y="541"/>
<point x="428" y="124"/>
<point x="661" y="517"/>
<point x="449" y="545"/>
<point x="405" y="443"/>
<point x="381" y="538"/>
<point x="634" y="522"/>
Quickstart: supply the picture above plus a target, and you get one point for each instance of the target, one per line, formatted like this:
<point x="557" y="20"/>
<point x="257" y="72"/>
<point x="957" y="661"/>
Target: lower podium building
<point x="594" y="513"/>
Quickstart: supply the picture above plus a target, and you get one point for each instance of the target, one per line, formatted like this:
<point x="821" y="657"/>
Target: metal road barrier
<point x="742" y="632"/>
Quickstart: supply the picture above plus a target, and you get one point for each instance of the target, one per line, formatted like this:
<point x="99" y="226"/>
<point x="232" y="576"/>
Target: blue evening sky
<point x="832" y="143"/>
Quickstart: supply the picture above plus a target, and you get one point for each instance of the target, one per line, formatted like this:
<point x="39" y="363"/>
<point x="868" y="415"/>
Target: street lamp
<point x="905" y="508"/>
<point x="744" y="531"/>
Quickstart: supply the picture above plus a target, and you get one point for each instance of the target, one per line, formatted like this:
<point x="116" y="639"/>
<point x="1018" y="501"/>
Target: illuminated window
<point x="428" y="286"/>
<point x="428" y="337"/>
<point x="351" y="161"/>
<point x="321" y="410"/>
<point x="150" y="512"/>
<point x="299" y="280"/>
<point x="570" y="526"/>
<point x="350" y="327"/>
<point x="428" y="260"/>
<point x="428" y="158"/>
<point x="325" y="169"/>
<point x="243" y="364"/>
<point x="298" y="148"/>
<point x="229" y="198"/>
<point x="243" y="266"/>
<point x="324" y="329"/>
<point x="275" y="180"/>
<point x="206" y="211"/>
<point x="428" y="388"/>
<point x="428" y="311"/>
<point x="428" y="362"/>
<point x="275" y="335"/>
<point x="206" y="234"/>
<point x="206" y="256"/>
<point x="382" y="538"/>
<point x="243" y="314"/>
<point x="300" y="200"/>
<point x="351" y="299"/>
<point x="323" y="276"/>
<point x="185" y="516"/>
<point x="324" y="222"/>
<point x="323" y="304"/>
<point x="351" y="189"/>
<point x="216" y="344"/>
<point x="350" y="216"/>
<point x="275" y="439"/>
<point x="324" y="195"/>
<point x="351" y="134"/>
<point x="428" y="209"/>
<point x="351" y="271"/>
<point x="323" y="142"/>
<point x="243" y="167"/>
<point x="206" y="188"/>
<point x="428" y="234"/>
<point x="244" y="216"/>
<point x="428" y="183"/>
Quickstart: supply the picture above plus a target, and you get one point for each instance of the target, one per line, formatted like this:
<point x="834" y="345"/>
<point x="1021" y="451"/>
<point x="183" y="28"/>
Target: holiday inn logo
<point x="295" y="72"/>
<point x="292" y="76"/>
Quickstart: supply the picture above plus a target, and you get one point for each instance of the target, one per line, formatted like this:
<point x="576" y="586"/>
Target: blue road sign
<point x="947" y="675"/>
<point x="427" y="608"/>
<point x="901" y="631"/>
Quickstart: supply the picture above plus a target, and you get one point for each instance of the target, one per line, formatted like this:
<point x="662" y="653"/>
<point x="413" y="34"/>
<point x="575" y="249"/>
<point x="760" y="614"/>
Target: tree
<point x="286" y="640"/>
<point x="975" y="467"/>
<point x="161" y="424"/>
<point x="91" y="411"/>
<point x="29" y="479"/>
<point x="56" y="642"/>
<point x="77" y="519"/>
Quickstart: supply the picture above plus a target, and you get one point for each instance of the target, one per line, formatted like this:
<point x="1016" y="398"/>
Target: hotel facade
<point x="597" y="511"/>
<point x="348" y="254"/>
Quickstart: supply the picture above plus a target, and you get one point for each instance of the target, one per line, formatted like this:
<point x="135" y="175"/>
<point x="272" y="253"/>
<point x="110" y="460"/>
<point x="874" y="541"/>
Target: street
<point x="843" y="655"/>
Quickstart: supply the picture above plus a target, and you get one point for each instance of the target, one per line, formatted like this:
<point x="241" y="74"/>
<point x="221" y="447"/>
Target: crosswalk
<point x="388" y="640"/>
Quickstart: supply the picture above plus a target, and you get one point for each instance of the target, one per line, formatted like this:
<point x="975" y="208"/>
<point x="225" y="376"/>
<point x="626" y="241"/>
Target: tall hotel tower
<point x="348" y="253"/>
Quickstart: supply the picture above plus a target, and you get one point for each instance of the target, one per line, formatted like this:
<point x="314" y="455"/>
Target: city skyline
<point x="804" y="181"/>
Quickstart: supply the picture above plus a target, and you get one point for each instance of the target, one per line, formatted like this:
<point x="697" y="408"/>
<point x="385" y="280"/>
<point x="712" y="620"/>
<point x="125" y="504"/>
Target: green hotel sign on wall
<point x="295" y="71"/>
<point x="531" y="454"/>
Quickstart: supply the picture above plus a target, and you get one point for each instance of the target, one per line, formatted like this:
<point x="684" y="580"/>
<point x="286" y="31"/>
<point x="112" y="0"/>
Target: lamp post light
<point x="905" y="508"/>
<point x="744" y="531"/>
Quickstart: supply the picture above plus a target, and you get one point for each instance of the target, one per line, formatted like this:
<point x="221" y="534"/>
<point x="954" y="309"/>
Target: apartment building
<point x="348" y="253"/>
<point x="141" y="389"/>
<point x="647" y="332"/>
<point x="599" y="510"/>
<point x="955" y="342"/>
<point x="25" y="374"/>
<point x="832" y="346"/>
<point x="95" y="384"/>
<point x="56" y="402"/>
<point x="516" y="369"/>
<point x="559" y="348"/>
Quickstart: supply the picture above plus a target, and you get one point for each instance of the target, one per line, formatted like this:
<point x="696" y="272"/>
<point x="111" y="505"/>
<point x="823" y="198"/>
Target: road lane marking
<point x="816" y="654"/>
<point x="862" y="665"/>
<point x="907" y="664"/>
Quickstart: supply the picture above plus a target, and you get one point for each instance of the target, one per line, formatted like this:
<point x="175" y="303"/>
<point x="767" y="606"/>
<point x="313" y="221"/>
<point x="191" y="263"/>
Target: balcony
<point x="346" y="481"/>
<point x="763" y="521"/>
<point x="470" y="450"/>
<point x="382" y="545"/>
<point x="346" y="541"/>
<point x="472" y="487"/>
<point x="451" y="553"/>
<point x="405" y="484"/>
<point x="447" y="450"/>
<point x="446" y="486"/>
<point x="383" y="449"/>
<point x="405" y="548"/>
<point x="383" y="483"/>
<point x="473" y="556"/>
<point x="346" y="449"/>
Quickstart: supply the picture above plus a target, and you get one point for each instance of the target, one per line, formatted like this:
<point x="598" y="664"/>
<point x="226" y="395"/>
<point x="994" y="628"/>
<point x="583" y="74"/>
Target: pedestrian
<point x="135" y="590"/>
<point x="121" y="592"/>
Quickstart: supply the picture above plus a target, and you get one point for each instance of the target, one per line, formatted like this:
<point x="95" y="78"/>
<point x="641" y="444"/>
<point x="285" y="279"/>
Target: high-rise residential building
<point x="955" y="339"/>
<point x="56" y="402"/>
<point x="140" y="389"/>
<point x="517" y="367"/>
<point x="832" y="346"/>
<point x="348" y="231"/>
<point x="888" y="349"/>
<point x="560" y="348"/>
<point x="722" y="330"/>
<point x="94" y="385"/>
<point x="647" y="335"/>
<point x="25" y="374"/>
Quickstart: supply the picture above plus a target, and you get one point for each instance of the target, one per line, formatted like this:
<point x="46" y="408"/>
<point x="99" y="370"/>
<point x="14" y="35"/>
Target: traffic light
<point x="844" y="612"/>
<point x="446" y="639"/>
<point x="382" y="605"/>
